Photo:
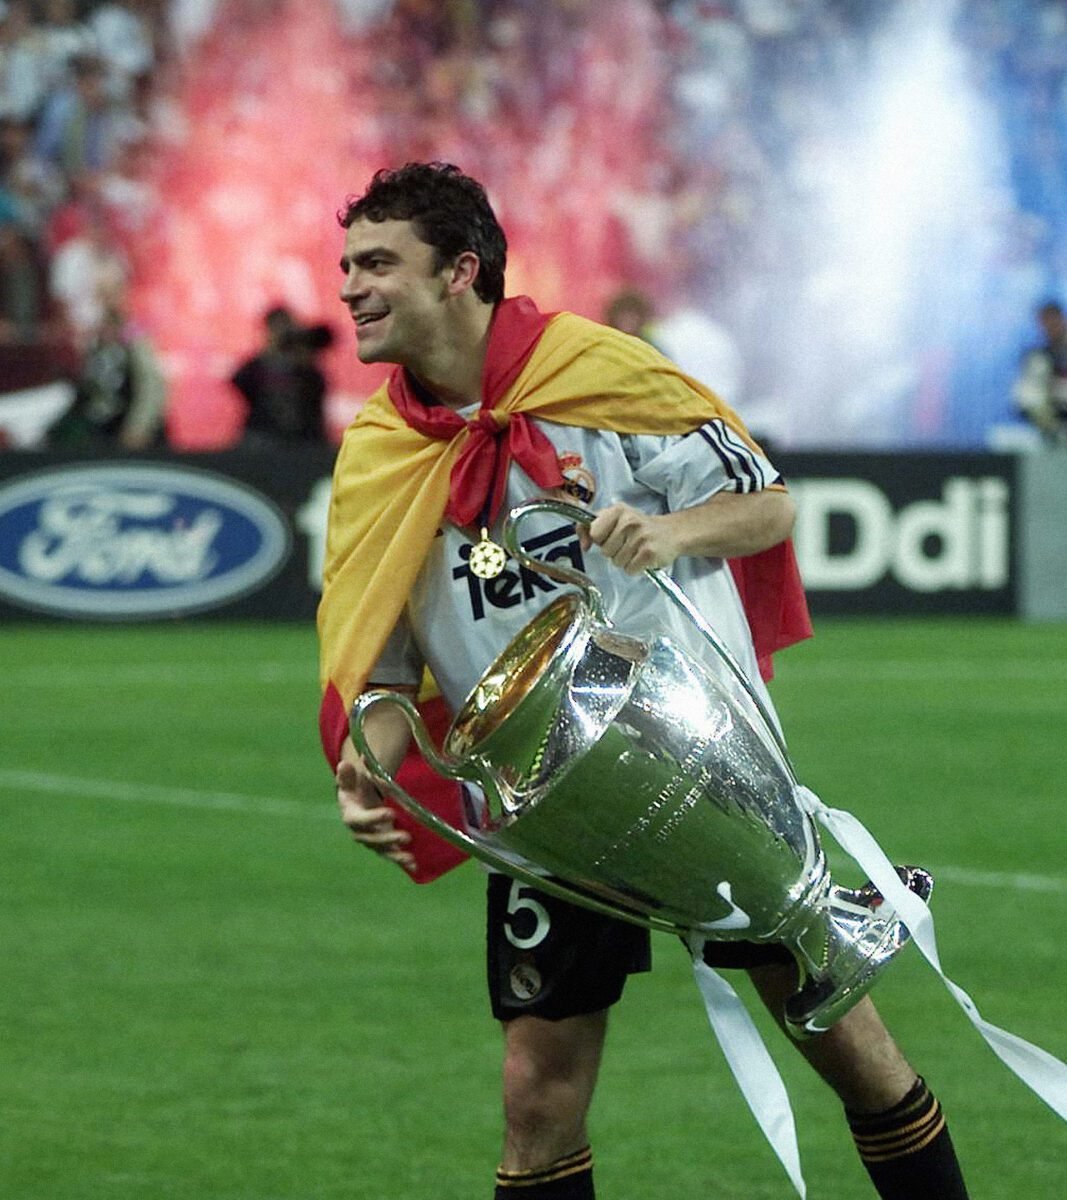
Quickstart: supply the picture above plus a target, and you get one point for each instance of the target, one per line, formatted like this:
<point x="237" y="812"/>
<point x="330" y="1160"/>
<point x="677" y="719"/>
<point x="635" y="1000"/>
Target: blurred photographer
<point x="283" y="386"/>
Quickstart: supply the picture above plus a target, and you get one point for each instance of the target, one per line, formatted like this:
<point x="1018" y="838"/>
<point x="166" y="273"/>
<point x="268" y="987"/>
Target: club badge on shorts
<point x="525" y="980"/>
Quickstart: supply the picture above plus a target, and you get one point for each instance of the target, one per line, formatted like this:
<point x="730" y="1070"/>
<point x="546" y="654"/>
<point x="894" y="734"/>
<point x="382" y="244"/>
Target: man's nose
<point x="352" y="288"/>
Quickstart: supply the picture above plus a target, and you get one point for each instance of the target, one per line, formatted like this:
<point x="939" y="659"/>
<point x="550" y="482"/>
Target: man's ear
<point x="463" y="273"/>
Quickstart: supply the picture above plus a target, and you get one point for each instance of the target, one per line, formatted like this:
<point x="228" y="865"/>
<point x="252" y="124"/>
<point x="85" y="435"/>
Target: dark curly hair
<point x="450" y="212"/>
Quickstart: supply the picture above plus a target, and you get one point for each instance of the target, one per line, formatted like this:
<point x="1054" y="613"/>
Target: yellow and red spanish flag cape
<point x="406" y="465"/>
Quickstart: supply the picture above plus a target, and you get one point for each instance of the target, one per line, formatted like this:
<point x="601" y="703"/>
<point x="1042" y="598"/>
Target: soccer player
<point x="493" y="402"/>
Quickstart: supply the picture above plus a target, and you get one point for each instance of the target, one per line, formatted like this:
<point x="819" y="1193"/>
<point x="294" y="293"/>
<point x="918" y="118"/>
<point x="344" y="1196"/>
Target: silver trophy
<point x="628" y="776"/>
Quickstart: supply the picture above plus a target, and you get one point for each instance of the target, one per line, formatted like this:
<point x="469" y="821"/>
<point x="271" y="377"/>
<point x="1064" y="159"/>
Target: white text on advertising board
<point x="125" y="541"/>
<point x="958" y="542"/>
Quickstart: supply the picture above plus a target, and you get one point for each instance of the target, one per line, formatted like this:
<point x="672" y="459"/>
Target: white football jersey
<point x="457" y="624"/>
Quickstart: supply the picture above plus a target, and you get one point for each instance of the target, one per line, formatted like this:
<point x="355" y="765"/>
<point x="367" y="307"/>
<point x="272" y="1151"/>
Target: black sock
<point x="568" y="1178"/>
<point x="907" y="1149"/>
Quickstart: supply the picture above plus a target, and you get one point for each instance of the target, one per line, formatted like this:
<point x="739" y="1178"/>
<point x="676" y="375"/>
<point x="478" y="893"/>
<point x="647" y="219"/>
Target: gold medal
<point x="487" y="559"/>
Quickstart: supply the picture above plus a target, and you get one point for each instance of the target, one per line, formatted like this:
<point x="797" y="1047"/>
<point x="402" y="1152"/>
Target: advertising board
<point x="242" y="534"/>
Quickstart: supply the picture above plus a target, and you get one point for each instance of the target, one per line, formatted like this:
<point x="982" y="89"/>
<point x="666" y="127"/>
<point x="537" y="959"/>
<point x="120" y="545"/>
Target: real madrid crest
<point x="578" y="479"/>
<point x="525" y="980"/>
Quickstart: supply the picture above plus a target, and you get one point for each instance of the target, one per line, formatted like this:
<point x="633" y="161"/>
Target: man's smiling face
<point x="395" y="295"/>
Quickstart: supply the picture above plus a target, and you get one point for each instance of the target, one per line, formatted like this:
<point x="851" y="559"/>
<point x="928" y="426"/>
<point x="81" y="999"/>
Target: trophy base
<point x="865" y="939"/>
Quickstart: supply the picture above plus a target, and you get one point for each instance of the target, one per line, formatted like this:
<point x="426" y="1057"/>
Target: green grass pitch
<point x="207" y="992"/>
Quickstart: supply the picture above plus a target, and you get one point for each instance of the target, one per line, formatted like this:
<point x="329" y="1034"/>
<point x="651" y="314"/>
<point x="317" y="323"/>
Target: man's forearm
<point x="726" y="526"/>
<point x="388" y="735"/>
<point x="732" y="526"/>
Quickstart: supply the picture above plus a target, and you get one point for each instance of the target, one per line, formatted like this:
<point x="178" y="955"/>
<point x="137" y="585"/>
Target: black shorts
<point x="548" y="958"/>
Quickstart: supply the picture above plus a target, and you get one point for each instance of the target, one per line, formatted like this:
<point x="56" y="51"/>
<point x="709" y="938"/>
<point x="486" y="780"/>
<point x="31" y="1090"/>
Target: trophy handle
<point x="660" y="578"/>
<point x="561" y="574"/>
<point x="666" y="584"/>
<point x="480" y="844"/>
<point x="446" y="766"/>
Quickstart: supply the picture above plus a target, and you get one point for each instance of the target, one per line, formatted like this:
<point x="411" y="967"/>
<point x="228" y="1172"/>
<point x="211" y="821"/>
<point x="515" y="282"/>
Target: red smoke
<point x="280" y="116"/>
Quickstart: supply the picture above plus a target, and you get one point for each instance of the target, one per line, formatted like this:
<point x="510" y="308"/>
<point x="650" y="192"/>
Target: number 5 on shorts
<point x="517" y="902"/>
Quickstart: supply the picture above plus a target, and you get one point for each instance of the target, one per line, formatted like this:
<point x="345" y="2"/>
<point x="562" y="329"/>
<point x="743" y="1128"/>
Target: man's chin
<point x="370" y="353"/>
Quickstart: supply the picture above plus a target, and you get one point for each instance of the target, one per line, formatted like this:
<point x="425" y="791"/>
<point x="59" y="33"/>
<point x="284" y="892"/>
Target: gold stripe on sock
<point x="924" y="1099"/>
<point x="905" y="1146"/>
<point x="562" y="1168"/>
<point x="583" y="1155"/>
<point x="899" y="1131"/>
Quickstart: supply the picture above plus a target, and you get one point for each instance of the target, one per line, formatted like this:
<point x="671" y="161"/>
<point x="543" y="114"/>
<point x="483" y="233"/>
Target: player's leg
<point x="550" y="1071"/>
<point x="895" y="1120"/>
<point x="554" y="971"/>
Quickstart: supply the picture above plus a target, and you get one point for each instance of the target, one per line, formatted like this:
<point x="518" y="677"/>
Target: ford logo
<point x="121" y="541"/>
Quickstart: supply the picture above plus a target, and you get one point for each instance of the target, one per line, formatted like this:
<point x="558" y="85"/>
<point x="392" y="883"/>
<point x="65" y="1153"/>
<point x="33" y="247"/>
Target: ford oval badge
<point x="121" y="542"/>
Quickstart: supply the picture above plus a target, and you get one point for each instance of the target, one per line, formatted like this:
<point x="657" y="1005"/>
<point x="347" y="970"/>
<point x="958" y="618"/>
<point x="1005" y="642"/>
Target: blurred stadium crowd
<point x="74" y="88"/>
<point x="703" y="152"/>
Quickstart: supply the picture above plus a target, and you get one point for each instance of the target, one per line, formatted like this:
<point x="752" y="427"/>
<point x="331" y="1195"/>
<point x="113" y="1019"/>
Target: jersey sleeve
<point x="400" y="663"/>
<point x="688" y="470"/>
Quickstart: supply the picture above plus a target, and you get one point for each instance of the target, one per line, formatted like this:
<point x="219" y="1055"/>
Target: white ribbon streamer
<point x="1039" y="1070"/>
<point x="752" y="1067"/>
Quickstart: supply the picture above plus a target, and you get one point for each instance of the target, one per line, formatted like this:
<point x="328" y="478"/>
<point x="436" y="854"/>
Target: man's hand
<point x="633" y="540"/>
<point x="728" y="525"/>
<point x="371" y="823"/>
